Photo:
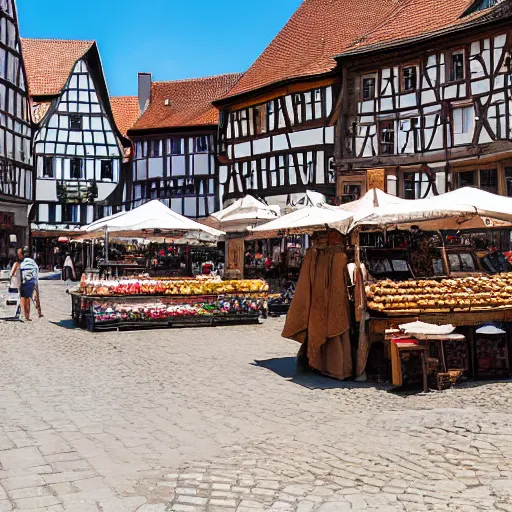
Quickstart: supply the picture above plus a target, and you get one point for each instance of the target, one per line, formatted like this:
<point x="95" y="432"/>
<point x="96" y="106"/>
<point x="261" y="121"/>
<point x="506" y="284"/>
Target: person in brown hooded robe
<point x="319" y="316"/>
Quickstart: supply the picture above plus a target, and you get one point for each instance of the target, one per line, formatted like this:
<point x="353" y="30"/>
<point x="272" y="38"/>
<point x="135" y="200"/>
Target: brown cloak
<point x="319" y="313"/>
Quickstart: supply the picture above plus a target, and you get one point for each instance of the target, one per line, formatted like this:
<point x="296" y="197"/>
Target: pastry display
<point x="162" y="286"/>
<point x="485" y="291"/>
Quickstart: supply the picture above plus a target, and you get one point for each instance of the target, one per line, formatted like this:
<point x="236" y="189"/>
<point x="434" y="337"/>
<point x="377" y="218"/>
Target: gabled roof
<point x="316" y="32"/>
<point x="50" y="61"/>
<point x="126" y="111"/>
<point x="419" y="19"/>
<point x="189" y="102"/>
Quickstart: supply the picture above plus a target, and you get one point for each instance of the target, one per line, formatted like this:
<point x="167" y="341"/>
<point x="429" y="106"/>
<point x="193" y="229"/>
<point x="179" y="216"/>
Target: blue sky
<point x="173" y="39"/>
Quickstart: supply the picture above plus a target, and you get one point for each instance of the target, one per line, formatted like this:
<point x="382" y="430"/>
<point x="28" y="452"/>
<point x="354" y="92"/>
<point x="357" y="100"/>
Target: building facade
<point x="276" y="129"/>
<point x="78" y="149"/>
<point x="174" y="145"/>
<point x="16" y="176"/>
<point x="431" y="112"/>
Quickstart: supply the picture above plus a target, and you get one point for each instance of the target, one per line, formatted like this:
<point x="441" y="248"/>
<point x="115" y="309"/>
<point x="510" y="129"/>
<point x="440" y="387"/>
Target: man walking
<point x="29" y="280"/>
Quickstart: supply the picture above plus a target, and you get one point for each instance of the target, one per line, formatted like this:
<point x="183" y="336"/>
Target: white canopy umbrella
<point x="242" y="213"/>
<point x="465" y="208"/>
<point x="305" y="221"/>
<point x="151" y="219"/>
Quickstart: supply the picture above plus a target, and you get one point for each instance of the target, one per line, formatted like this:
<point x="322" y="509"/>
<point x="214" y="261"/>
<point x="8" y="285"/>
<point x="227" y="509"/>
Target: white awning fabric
<point x="152" y="219"/>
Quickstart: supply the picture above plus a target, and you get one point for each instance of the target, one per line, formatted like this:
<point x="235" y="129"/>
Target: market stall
<point x="101" y="304"/>
<point x="411" y="260"/>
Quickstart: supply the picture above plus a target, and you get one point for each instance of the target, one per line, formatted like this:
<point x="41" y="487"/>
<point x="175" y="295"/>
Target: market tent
<point x="244" y="212"/>
<point x="307" y="220"/>
<point x="465" y="208"/>
<point x="149" y="220"/>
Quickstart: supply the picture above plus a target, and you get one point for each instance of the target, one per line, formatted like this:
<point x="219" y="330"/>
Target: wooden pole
<point x="363" y="347"/>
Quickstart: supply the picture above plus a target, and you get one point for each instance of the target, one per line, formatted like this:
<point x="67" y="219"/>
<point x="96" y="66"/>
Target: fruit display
<point x="110" y="311"/>
<point x="162" y="286"/>
<point x="465" y="293"/>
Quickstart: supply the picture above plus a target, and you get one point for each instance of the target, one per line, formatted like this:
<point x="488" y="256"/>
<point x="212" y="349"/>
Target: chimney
<point x="144" y="91"/>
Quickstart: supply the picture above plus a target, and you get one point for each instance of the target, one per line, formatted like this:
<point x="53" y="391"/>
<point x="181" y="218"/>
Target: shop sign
<point x="6" y="220"/>
<point x="376" y="179"/>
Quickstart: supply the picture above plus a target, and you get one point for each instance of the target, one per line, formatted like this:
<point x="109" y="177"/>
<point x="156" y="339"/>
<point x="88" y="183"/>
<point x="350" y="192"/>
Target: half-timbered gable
<point x="78" y="148"/>
<point x="275" y="130"/>
<point x="16" y="178"/>
<point x="416" y="114"/>
<point x="175" y="141"/>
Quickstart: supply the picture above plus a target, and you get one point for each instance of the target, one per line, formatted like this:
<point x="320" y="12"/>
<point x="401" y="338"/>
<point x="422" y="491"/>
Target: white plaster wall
<point x="261" y="146"/>
<point x="242" y="150"/>
<point x="201" y="164"/>
<point x="307" y="138"/>
<point x="104" y="190"/>
<point x="46" y="190"/>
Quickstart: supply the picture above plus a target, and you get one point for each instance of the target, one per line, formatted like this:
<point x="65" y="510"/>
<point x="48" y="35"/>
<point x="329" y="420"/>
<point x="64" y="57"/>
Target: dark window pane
<point x="175" y="146"/>
<point x="76" y="168"/>
<point x="457" y="72"/>
<point x="387" y="137"/>
<point x="489" y="180"/>
<point x="368" y="88"/>
<point x="466" y="179"/>
<point x="410" y="78"/>
<point x="75" y="122"/>
<point x="508" y="178"/>
<point x="48" y="167"/>
<point x="107" y="171"/>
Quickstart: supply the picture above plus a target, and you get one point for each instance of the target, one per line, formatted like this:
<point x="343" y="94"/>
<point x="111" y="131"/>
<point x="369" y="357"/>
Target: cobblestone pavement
<point x="185" y="421"/>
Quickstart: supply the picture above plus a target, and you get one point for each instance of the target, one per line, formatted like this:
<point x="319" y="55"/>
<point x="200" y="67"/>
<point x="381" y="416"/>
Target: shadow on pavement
<point x="286" y="368"/>
<point x="66" y="324"/>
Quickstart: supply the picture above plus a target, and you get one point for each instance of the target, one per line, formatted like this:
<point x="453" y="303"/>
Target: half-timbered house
<point x="276" y="136"/>
<point x="427" y="101"/>
<point x="78" y="149"/>
<point x="174" y="144"/>
<point x="16" y="178"/>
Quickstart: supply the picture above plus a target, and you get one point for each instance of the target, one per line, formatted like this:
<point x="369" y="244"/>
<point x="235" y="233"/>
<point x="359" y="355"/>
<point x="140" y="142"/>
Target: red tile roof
<point x="49" y="62"/>
<point x="417" y="19"/>
<point x="190" y="102"/>
<point x="316" y="32"/>
<point x="126" y="111"/>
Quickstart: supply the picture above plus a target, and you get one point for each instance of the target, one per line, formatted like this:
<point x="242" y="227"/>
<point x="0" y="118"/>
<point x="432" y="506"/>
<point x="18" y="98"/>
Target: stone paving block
<point x="21" y="459"/>
<point x="36" y="502"/>
<point x="22" y="482"/>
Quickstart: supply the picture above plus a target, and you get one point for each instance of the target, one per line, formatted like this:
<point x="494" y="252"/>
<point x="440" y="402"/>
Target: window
<point x="154" y="148"/>
<point x="415" y="185"/>
<point x="351" y="192"/>
<point x="260" y="119"/>
<point x="76" y="168"/>
<point x="489" y="180"/>
<point x="107" y="170"/>
<point x="466" y="179"/>
<point x="202" y="144"/>
<point x="175" y="146"/>
<point x="463" y="120"/>
<point x="51" y="213"/>
<point x="70" y="213"/>
<point x="75" y="122"/>
<point x="457" y="65"/>
<point x="368" y="87"/>
<point x="387" y="137"/>
<point x="409" y="78"/>
<point x="48" y="167"/>
<point x="508" y="179"/>
<point x="313" y="104"/>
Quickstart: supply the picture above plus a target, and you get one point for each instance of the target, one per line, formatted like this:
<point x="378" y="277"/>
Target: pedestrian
<point x="68" y="269"/>
<point x="29" y="280"/>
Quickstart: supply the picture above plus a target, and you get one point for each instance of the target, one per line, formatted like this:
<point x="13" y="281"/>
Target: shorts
<point x="27" y="289"/>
